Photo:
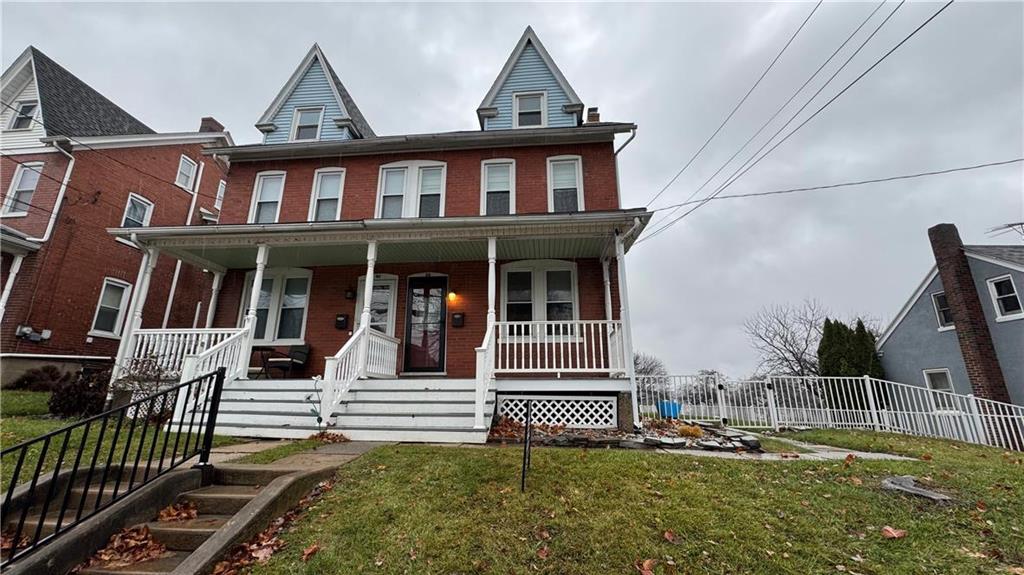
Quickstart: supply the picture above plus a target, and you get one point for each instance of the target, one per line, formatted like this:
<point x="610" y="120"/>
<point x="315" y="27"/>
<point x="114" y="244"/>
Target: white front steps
<point x="424" y="410"/>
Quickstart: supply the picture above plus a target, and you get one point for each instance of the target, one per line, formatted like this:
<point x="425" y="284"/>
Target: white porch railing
<point x="340" y="370"/>
<point x="581" y="346"/>
<point x="833" y="402"/>
<point x="484" y="375"/>
<point x="381" y="354"/>
<point x="165" y="349"/>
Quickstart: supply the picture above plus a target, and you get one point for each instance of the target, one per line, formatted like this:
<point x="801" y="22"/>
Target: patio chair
<point x="275" y="361"/>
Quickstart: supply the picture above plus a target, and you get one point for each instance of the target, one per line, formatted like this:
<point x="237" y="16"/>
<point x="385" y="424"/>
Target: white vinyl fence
<point x="832" y="402"/>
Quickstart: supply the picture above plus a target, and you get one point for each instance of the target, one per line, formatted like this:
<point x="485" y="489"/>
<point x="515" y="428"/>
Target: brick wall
<point x="976" y="347"/>
<point x="59" y="286"/>
<point x="462" y="192"/>
<point x="467" y="279"/>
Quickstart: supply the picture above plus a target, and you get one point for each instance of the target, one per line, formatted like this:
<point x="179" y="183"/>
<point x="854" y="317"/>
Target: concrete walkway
<point x="226" y="453"/>
<point x="335" y="454"/>
<point x="815" y="452"/>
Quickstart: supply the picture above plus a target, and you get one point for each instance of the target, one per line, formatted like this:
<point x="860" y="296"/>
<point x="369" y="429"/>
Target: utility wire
<point x="737" y="107"/>
<point x="804" y="123"/>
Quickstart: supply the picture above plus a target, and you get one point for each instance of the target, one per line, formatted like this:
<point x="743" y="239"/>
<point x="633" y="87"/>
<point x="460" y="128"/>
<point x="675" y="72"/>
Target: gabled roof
<point x="344" y="99"/>
<point x="528" y="37"/>
<point x="70" y="107"/>
<point x="1013" y="255"/>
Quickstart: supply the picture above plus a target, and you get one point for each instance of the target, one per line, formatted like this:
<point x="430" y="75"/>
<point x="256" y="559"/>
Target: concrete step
<point x="398" y="405"/>
<point x="404" y="420"/>
<point x="420" y="435"/>
<point x="414" y="383"/>
<point x="268" y="394"/>
<point x="189" y="534"/>
<point x="279" y="405"/>
<point x="271" y="384"/>
<point x="270" y="417"/>
<point x="220" y="499"/>
<point x="387" y="394"/>
<point x="253" y="429"/>
<point x="165" y="564"/>
<point x="233" y="474"/>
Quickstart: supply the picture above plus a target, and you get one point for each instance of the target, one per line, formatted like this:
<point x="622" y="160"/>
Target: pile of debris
<point x="687" y="434"/>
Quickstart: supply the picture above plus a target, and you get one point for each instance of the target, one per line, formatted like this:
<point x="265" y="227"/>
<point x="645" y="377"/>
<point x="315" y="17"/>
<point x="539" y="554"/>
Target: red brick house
<point x="73" y="164"/>
<point x="494" y="260"/>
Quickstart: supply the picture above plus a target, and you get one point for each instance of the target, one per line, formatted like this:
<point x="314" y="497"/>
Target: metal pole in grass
<point x="527" y="438"/>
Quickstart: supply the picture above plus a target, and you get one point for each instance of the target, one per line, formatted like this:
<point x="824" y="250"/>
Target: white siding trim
<point x="256" y="189"/>
<point x="529" y="36"/>
<point x="512" y="184"/>
<point x="192" y="179"/>
<point x="579" y="181"/>
<point x="938" y="317"/>
<point x="543" y="108"/>
<point x="121" y="311"/>
<point x="1000" y="317"/>
<point x="906" y="307"/>
<point x="295" y="122"/>
<point x="994" y="261"/>
<point x="411" y="191"/>
<point x="314" y="193"/>
<point x="8" y="205"/>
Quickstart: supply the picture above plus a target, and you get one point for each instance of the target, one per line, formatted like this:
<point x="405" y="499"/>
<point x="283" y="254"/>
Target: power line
<point x="737" y="107"/>
<point x="786" y="104"/>
<point x="95" y="196"/>
<point x="802" y="124"/>
<point x="853" y="183"/>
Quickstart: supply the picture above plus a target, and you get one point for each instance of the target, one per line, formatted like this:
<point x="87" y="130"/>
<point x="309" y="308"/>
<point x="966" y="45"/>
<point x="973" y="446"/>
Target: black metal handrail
<point x="167" y="417"/>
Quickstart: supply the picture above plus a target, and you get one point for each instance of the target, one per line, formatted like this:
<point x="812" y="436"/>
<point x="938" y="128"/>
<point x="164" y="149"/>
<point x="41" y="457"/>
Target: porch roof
<point x="531" y="236"/>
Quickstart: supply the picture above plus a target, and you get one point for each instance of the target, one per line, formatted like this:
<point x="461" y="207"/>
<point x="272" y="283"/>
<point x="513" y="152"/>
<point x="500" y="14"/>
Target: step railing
<point x="381" y="354"/>
<point x="79" y="470"/>
<point x="165" y="350"/>
<point x="579" y="346"/>
<point x="340" y="371"/>
<point x="832" y="403"/>
<point x="484" y="377"/>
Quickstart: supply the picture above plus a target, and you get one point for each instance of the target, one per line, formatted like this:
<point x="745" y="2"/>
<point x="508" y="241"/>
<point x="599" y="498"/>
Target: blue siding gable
<point x="314" y="89"/>
<point x="531" y="74"/>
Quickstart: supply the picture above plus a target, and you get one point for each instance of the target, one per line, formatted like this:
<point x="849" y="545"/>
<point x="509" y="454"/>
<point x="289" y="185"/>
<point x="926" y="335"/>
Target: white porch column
<point x="492" y="283"/>
<point x="137" y="304"/>
<point x="607" y="289"/>
<point x="627" y="327"/>
<point x="218" y="279"/>
<point x="364" y="317"/>
<point x="9" y="285"/>
<point x="262" y="254"/>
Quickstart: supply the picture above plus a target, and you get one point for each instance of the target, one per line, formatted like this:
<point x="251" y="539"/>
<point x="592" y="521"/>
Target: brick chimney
<point x="976" y="345"/>
<point x="209" y="124"/>
<point x="593" y="116"/>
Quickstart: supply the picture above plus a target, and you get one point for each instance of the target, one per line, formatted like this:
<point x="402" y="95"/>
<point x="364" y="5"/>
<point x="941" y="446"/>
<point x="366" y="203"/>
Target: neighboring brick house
<point x="494" y="260"/>
<point x="963" y="328"/>
<point x="73" y="164"/>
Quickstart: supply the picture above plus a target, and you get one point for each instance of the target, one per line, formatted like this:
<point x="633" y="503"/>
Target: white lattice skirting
<point x="570" y="411"/>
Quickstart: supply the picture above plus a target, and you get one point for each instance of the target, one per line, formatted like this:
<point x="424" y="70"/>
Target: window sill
<point x="187" y="189"/>
<point x="128" y="243"/>
<point x="103" y="334"/>
<point x="1014" y="317"/>
<point x="16" y="130"/>
<point x="947" y="328"/>
<point x="14" y="215"/>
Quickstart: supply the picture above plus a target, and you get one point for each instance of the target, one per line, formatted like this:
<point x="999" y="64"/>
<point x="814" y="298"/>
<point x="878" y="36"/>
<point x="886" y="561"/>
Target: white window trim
<point x="314" y="193"/>
<point x="279" y="276"/>
<point x="1000" y="316"/>
<point x="579" y="181"/>
<point x="222" y="189"/>
<point x="411" y="192"/>
<point x="938" y="316"/>
<point x="512" y="183"/>
<point x="389" y="279"/>
<point x="145" y="221"/>
<point x="543" y="108"/>
<point x="928" y="385"/>
<point x="295" y="123"/>
<point x="8" y="207"/>
<point x="538" y="290"/>
<point x="255" y="194"/>
<point x="122" y="309"/>
<point x="192" y="181"/>
<point x="17" y="113"/>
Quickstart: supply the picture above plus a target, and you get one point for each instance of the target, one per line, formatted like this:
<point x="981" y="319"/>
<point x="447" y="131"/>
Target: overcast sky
<point x="951" y="96"/>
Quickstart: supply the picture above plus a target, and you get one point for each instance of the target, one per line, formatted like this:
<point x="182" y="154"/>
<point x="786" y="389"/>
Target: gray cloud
<point x="951" y="96"/>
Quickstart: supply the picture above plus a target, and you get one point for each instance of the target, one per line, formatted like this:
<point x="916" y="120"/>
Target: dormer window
<point x="530" y="110"/>
<point x="307" y="124"/>
<point x="24" y="113"/>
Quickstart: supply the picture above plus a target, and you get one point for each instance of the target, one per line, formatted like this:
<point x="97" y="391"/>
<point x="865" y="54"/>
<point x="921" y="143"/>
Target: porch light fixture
<point x="350" y="293"/>
<point x="452" y="296"/>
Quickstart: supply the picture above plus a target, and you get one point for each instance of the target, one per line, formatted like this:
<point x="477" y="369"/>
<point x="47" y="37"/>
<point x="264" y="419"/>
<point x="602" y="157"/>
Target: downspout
<point x="618" y="189"/>
<point x="177" y="265"/>
<point x="60" y="195"/>
<point x="9" y="285"/>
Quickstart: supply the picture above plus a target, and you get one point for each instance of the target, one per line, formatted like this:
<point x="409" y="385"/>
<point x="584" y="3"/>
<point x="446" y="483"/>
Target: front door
<point x="425" y="322"/>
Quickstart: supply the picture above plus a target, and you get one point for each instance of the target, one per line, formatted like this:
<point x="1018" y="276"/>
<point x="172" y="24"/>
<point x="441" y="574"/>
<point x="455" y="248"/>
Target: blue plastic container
<point x="669" y="409"/>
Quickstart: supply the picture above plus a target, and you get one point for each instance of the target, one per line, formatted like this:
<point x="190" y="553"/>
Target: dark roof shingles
<point x="1011" y="254"/>
<point x="73" y="108"/>
<point x="350" y="104"/>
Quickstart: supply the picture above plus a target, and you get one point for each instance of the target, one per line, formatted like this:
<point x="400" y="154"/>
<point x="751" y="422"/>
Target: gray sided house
<point x="963" y="328"/>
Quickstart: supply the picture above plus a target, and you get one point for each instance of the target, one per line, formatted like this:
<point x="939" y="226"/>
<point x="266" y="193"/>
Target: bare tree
<point x="646" y="364"/>
<point x="787" y="337"/>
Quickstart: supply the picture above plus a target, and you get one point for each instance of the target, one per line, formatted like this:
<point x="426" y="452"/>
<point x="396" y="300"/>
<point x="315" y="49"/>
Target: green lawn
<point x="16" y="402"/>
<point x="279" y="452"/>
<point x="422" y="509"/>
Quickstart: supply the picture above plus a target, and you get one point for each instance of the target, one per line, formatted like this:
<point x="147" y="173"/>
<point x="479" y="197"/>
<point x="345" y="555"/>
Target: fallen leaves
<point x="178" y="512"/>
<point x="128" y="547"/>
<point x="507" y="428"/>
<point x="645" y="567"/>
<point x="893" y="533"/>
<point x="544" y="552"/>
<point x="310" y="551"/>
<point x="926" y="456"/>
<point x="329" y="437"/>
<point x="671" y="537"/>
<point x="848" y="461"/>
<point x="7" y="541"/>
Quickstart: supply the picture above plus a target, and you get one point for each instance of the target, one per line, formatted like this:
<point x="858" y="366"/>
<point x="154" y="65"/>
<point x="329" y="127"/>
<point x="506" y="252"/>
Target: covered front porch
<point x="538" y="302"/>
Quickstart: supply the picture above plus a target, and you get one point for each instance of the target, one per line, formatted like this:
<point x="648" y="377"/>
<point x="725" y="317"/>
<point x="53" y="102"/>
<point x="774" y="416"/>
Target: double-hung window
<point x="282" y="306"/>
<point x="565" y="184"/>
<point x="540" y="290"/>
<point x="137" y="212"/>
<point x="307" y="124"/>
<point x="24" y="114"/>
<point x="218" y="202"/>
<point x="943" y="314"/>
<point x="110" y="309"/>
<point x="939" y="380"/>
<point x="266" y="198"/>
<point x="186" y="173"/>
<point x="498" y="188"/>
<point x="325" y="203"/>
<point x="530" y="110"/>
<point x="1005" y="298"/>
<point x="411" y="189"/>
<point x="23" y="186"/>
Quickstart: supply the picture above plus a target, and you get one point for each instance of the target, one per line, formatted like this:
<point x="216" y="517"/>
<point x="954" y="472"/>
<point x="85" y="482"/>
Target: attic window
<point x="23" y="116"/>
<point x="529" y="110"/>
<point x="307" y="124"/>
